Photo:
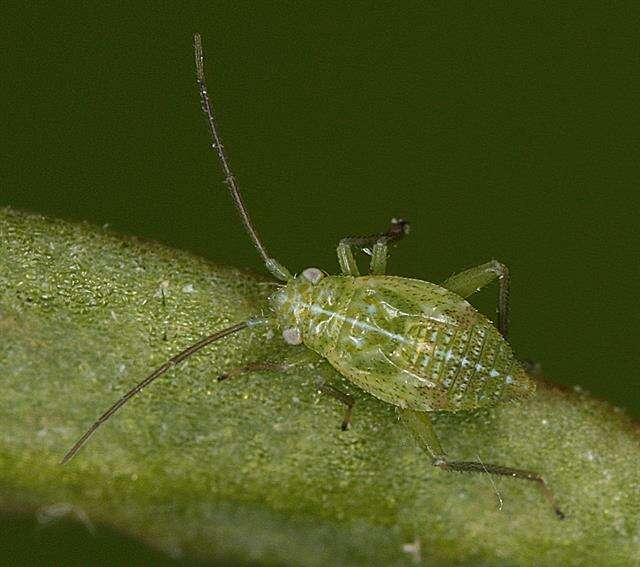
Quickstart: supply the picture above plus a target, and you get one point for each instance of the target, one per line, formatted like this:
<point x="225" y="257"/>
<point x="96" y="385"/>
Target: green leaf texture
<point x="256" y="470"/>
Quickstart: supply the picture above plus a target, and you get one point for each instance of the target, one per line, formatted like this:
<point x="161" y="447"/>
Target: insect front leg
<point x="301" y="358"/>
<point x="347" y="261"/>
<point x="421" y="426"/>
<point x="376" y="245"/>
<point x="468" y="282"/>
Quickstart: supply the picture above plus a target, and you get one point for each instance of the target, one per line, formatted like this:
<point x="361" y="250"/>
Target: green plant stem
<point x="256" y="469"/>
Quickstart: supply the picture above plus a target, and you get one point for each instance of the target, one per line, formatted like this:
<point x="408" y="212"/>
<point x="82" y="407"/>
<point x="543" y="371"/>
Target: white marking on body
<point x="509" y="379"/>
<point x="479" y="367"/>
<point x="421" y="379"/>
<point x="279" y="299"/>
<point x="434" y="313"/>
<point x="297" y="305"/>
<point x="494" y="373"/>
<point x="390" y="311"/>
<point x="406" y="372"/>
<point x="316" y="310"/>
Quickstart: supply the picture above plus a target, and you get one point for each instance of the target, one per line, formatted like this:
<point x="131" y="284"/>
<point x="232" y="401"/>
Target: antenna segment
<point x="277" y="269"/>
<point x="155" y="374"/>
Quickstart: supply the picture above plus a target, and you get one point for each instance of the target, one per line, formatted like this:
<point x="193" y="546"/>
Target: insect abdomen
<point x="472" y="366"/>
<point x="417" y="345"/>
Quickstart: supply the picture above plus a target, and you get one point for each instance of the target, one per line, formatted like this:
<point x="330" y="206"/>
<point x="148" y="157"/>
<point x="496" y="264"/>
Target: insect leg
<point x="299" y="357"/>
<point x="303" y="357"/>
<point x="421" y="426"/>
<point x="343" y="397"/>
<point x="468" y="282"/>
<point x="376" y="245"/>
<point x="347" y="262"/>
<point x="486" y="468"/>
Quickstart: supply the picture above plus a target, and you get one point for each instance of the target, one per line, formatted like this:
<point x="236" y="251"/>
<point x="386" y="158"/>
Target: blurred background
<point x="498" y="131"/>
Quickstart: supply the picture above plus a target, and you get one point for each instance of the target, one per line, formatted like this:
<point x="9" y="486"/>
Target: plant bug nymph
<point x="413" y="344"/>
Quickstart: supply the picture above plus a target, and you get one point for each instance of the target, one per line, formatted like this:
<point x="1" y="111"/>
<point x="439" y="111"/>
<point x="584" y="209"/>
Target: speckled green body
<point x="408" y="342"/>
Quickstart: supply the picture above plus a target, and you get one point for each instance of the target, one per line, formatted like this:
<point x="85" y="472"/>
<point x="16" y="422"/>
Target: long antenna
<point x="273" y="265"/>
<point x="155" y="374"/>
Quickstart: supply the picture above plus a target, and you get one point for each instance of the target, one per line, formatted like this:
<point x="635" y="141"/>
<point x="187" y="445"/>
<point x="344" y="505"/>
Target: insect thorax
<point x="308" y="303"/>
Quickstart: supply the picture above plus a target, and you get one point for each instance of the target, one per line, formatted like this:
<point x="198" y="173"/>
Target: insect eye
<point x="292" y="336"/>
<point x="314" y="275"/>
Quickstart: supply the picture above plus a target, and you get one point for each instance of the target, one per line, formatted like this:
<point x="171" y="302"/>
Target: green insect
<point x="416" y="345"/>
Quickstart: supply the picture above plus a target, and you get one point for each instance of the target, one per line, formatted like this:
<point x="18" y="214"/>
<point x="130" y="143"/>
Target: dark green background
<point x="498" y="131"/>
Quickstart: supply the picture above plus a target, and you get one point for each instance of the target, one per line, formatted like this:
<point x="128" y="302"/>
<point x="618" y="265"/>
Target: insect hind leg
<point x="376" y="244"/>
<point x="468" y="282"/>
<point x="421" y="426"/>
<point x="499" y="470"/>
